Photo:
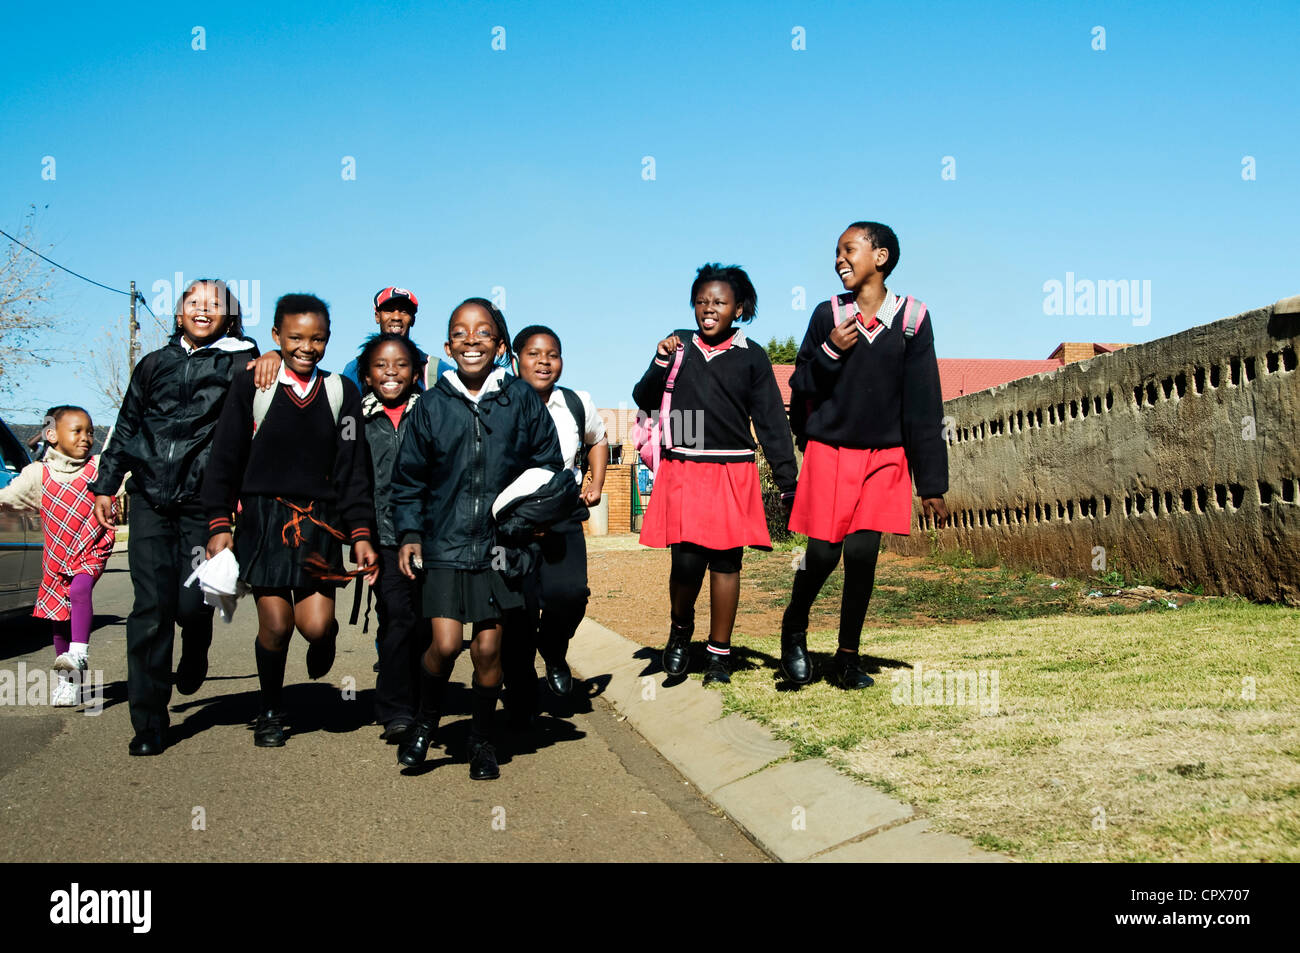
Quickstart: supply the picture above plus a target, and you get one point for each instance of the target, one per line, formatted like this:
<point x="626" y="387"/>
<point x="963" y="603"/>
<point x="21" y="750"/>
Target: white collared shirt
<point x="302" y="390"/>
<point x="566" y="427"/>
<point x="223" y="343"/>
<point x="494" y="381"/>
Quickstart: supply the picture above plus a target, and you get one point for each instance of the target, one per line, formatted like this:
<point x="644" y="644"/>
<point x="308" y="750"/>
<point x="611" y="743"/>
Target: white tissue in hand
<point x="218" y="577"/>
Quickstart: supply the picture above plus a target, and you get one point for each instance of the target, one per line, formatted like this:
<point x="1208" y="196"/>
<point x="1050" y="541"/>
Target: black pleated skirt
<point x="262" y="544"/>
<point x="466" y="595"/>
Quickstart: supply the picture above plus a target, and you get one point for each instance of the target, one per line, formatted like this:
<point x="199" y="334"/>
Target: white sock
<point x="65" y="676"/>
<point x="78" y="650"/>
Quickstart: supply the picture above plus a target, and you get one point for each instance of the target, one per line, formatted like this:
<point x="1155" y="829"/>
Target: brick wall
<point x="618" y="490"/>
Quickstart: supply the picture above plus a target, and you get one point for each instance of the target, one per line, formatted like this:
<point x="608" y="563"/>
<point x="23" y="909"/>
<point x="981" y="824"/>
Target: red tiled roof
<point x="957" y="375"/>
<point x="783" y="372"/>
<point x="966" y="375"/>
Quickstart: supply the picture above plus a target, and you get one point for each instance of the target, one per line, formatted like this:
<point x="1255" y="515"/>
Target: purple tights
<point x="76" y="629"/>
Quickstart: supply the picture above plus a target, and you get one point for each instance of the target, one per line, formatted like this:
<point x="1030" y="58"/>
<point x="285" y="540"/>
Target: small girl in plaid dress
<point x="76" y="545"/>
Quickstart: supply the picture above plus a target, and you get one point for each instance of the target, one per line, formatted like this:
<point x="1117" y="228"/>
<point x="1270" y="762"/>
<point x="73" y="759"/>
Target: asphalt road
<point x="582" y="787"/>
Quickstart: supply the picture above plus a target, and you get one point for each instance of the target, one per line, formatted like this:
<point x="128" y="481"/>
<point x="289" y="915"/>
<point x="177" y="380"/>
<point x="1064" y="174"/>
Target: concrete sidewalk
<point x="794" y="810"/>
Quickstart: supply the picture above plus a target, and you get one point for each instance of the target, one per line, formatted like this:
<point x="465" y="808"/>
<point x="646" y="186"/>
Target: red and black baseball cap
<point x="392" y="296"/>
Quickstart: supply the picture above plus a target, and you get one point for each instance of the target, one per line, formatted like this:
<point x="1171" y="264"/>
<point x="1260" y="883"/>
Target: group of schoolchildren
<point x="459" y="488"/>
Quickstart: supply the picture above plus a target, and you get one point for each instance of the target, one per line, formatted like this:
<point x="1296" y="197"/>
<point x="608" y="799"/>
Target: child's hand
<point x="409" y="558"/>
<point x="669" y="344"/>
<point x="265" y="370"/>
<point x="104" y="512"/>
<point x="845" y="335"/>
<point x="364" y="555"/>
<point x="591" y="494"/>
<point x="936" y="507"/>
<point x="219" y="542"/>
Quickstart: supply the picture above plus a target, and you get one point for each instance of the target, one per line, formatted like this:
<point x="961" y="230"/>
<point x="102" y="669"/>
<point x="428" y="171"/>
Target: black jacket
<point x="383" y="440"/>
<point x="521" y="515"/>
<point x="163" y="434"/>
<point x="880" y="393"/>
<point x="714" y="400"/>
<point x="454" y="460"/>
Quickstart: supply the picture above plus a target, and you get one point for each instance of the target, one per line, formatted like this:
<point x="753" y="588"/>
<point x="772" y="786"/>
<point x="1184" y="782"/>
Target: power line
<point x="74" y="274"/>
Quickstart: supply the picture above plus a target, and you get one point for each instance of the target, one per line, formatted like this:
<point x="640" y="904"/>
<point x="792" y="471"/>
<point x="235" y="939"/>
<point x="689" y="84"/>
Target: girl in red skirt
<point x="706" y="505"/>
<point x="866" y="407"/>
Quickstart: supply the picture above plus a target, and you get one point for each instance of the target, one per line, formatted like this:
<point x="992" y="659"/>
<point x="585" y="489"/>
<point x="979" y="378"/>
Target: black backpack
<point x="574" y="403"/>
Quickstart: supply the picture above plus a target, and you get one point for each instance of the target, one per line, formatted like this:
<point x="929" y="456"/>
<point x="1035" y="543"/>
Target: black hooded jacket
<point x="456" y="457"/>
<point x="164" y="428"/>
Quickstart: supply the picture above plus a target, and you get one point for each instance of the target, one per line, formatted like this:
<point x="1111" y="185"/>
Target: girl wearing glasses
<point x="470" y="436"/>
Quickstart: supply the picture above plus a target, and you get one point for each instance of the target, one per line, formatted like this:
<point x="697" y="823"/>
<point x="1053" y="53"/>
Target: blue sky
<point x="522" y="168"/>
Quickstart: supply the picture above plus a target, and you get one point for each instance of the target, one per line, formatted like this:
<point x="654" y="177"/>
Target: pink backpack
<point x="649" y="433"/>
<point x="914" y="313"/>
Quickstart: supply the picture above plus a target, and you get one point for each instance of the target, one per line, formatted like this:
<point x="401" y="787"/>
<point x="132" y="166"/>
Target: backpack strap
<point x="665" y="405"/>
<point x="333" y="384"/>
<point x="334" y="393"/>
<point x="574" y="403"/>
<point x="914" y="312"/>
<point x="261" y="404"/>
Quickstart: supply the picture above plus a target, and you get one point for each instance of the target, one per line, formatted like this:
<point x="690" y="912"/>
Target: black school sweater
<point x="299" y="453"/>
<point x="882" y="392"/>
<point x="714" y="399"/>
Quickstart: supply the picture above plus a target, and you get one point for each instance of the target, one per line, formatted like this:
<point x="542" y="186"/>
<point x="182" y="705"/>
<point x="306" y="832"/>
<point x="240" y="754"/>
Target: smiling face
<point x="203" y="315"/>
<point x="715" y="309"/>
<point x="540" y="363"/>
<point x="391" y="375"/>
<point x="857" y="260"/>
<point x="395" y="318"/>
<point x="73" y="435"/>
<point x="474" y="343"/>
<point x="301" y="339"/>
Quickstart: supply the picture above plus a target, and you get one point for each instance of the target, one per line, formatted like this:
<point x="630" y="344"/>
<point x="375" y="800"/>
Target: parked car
<point x="21" y="537"/>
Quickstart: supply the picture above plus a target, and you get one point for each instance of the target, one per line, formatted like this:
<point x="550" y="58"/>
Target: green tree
<point x="782" y="352"/>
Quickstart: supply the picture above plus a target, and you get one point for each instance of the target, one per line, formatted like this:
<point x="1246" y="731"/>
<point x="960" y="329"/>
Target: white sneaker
<point x="64" y="694"/>
<point x="67" y="662"/>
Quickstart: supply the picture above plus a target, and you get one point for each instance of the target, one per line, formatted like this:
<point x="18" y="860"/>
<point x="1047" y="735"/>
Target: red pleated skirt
<point x="716" y="505"/>
<point x="842" y="490"/>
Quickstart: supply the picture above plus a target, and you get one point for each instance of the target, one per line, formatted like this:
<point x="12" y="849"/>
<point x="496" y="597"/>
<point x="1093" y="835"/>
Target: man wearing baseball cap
<point x="395" y="313"/>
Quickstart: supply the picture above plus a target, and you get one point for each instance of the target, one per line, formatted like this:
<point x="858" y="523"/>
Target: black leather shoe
<point x="846" y="672"/>
<point x="483" y="761"/>
<point x="320" y="656"/>
<point x="191" y="670"/>
<point x="396" y="732"/>
<point x="559" y="678"/>
<point x="146" y="745"/>
<point x="677" y="654"/>
<point x="415" y="749"/>
<point x="794" y="657"/>
<point x="269" y="731"/>
<point x="718" y="670"/>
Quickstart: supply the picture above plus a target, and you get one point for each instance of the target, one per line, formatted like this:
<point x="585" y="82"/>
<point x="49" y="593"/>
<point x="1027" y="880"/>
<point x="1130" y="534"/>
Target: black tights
<point x="860" y="551"/>
<point x="687" y="575"/>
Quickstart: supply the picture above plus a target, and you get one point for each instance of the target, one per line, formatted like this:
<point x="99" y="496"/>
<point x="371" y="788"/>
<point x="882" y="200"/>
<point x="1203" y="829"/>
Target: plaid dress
<point x="75" y="543"/>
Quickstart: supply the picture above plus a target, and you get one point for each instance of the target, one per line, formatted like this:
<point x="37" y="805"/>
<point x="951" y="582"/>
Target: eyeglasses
<point x="482" y="334"/>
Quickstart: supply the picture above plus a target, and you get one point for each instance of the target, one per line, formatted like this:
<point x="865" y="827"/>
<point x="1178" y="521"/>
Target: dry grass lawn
<point x="1166" y="734"/>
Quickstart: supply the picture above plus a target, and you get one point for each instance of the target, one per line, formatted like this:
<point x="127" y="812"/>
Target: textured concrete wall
<point x="1179" y="457"/>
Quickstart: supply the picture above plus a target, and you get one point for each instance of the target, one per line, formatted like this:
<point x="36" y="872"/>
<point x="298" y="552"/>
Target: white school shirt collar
<point x="737" y="340"/>
<point x="495" y="381"/>
<point x="302" y="390"/>
<point x="224" y="343"/>
<point x="888" y="308"/>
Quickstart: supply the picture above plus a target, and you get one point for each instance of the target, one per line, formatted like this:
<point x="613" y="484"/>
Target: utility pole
<point x="135" y="334"/>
